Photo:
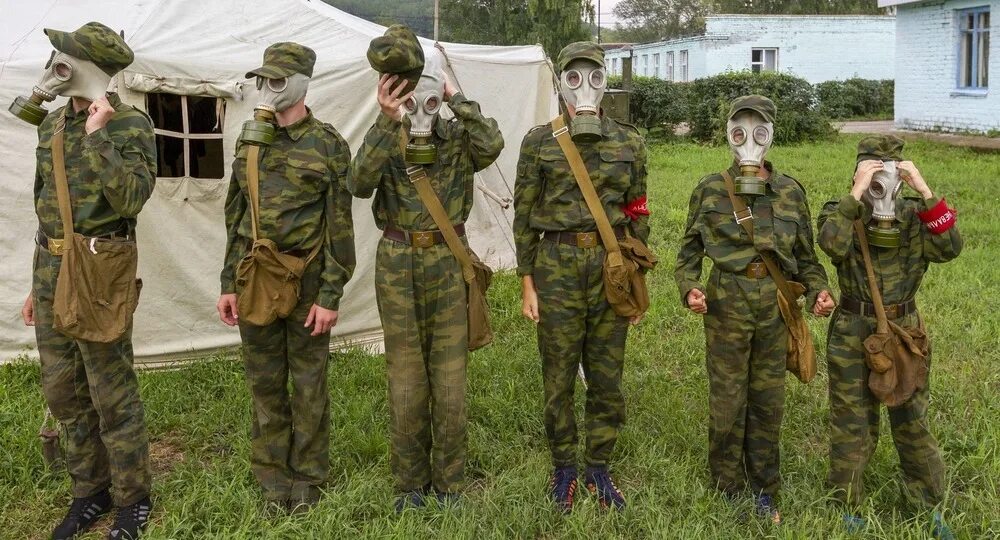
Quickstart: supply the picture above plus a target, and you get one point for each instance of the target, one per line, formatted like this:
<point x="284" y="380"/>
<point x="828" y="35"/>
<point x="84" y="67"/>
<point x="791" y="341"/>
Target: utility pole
<point x="598" y="21"/>
<point x="437" y="17"/>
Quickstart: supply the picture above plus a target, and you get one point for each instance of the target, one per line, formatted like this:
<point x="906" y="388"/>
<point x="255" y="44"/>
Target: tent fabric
<point x="202" y="48"/>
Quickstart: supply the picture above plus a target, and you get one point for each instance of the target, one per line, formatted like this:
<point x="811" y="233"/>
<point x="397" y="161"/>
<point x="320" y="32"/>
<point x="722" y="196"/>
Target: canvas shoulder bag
<point x="96" y="289"/>
<point x="268" y="280"/>
<point x="624" y="282"/>
<point x="801" y="356"/>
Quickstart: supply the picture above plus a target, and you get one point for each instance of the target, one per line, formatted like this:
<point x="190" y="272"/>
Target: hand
<point x="697" y="302"/>
<point x="863" y="176"/>
<point x="389" y="99"/>
<point x="529" y="299"/>
<point x="908" y="171"/>
<point x="449" y="88"/>
<point x="634" y="321"/>
<point x="28" y="310"/>
<point x="100" y="112"/>
<point x="227" y="309"/>
<point x="321" y="319"/>
<point x="824" y="304"/>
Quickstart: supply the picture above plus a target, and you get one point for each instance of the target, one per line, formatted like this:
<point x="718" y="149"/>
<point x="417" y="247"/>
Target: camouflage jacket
<point x="111" y="172"/>
<point x="898" y="271"/>
<point x="548" y="198"/>
<point x="303" y="201"/>
<point x="782" y="226"/>
<point x="466" y="144"/>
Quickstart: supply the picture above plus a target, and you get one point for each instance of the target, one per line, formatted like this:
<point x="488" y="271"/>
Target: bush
<point x="655" y="104"/>
<point x="855" y="98"/>
<point x="798" y="118"/>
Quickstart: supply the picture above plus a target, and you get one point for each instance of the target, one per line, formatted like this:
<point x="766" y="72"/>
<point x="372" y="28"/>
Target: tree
<point x="417" y="14"/>
<point x="654" y="20"/>
<point x="552" y="23"/>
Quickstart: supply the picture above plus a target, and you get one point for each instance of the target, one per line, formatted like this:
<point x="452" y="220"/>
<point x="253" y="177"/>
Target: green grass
<point x="199" y="416"/>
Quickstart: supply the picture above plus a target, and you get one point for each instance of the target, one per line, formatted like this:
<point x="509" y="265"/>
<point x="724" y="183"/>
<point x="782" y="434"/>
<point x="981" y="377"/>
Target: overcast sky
<point x="607" y="18"/>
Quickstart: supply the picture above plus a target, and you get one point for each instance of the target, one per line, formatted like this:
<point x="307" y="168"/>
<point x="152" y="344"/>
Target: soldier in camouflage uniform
<point x="419" y="286"/>
<point x="303" y="203"/>
<point x="927" y="235"/>
<point x="560" y="260"/>
<point x="746" y="337"/>
<point x="90" y="387"/>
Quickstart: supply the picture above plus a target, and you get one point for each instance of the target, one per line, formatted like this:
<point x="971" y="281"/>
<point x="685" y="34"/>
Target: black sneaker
<point x="563" y="487"/>
<point x="412" y="499"/>
<point x="131" y="520"/>
<point x="600" y="484"/>
<point x="82" y="515"/>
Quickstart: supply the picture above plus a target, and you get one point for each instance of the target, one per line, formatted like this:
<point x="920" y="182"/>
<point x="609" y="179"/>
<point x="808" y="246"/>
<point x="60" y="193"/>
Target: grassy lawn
<point x="199" y="416"/>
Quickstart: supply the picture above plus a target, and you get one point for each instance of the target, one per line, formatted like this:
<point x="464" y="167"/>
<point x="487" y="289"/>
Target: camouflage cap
<point x="881" y="148"/>
<point x="284" y="59"/>
<point x="580" y="50"/>
<point x="759" y="104"/>
<point x="398" y="52"/>
<point x="96" y="43"/>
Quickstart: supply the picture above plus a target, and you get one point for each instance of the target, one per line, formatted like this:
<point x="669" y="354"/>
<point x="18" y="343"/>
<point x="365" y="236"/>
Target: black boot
<point x="82" y="514"/>
<point x="131" y="520"/>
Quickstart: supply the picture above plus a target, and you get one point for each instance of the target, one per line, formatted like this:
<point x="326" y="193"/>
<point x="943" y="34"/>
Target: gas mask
<point x="66" y="76"/>
<point x="750" y="137"/>
<point x="881" y="198"/>
<point x="274" y="95"/>
<point x="423" y="109"/>
<point x="581" y="85"/>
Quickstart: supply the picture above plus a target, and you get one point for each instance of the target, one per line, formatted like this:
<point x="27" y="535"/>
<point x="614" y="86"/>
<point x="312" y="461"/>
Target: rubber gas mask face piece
<point x="881" y="197"/>
<point x="423" y="109"/>
<point x="750" y="138"/>
<point x="582" y="86"/>
<point x="274" y="95"/>
<point x="66" y="76"/>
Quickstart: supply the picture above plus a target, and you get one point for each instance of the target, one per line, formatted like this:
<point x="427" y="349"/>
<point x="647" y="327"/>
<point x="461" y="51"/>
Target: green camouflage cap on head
<point x="285" y="59"/>
<point x="881" y="148"/>
<point x="580" y="50"/>
<point x="759" y="104"/>
<point x="398" y="52"/>
<point x="96" y="43"/>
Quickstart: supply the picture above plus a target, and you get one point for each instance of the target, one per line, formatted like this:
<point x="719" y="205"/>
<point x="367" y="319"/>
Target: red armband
<point x="938" y="219"/>
<point x="636" y="208"/>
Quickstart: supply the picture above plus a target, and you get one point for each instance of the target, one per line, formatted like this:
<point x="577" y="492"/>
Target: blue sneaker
<point x="411" y="499"/>
<point x="854" y="524"/>
<point x="940" y="529"/>
<point x="563" y="487"/>
<point x="768" y="509"/>
<point x="600" y="484"/>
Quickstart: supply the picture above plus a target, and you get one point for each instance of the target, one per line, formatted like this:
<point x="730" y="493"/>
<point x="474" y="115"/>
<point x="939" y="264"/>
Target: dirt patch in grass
<point x="165" y="453"/>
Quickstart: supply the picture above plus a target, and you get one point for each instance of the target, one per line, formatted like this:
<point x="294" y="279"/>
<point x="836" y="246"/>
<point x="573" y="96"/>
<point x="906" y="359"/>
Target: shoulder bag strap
<point x="882" y="320"/>
<point x="744" y="216"/>
<point x="62" y="184"/>
<point x="421" y="182"/>
<point x="561" y="134"/>
<point x="253" y="185"/>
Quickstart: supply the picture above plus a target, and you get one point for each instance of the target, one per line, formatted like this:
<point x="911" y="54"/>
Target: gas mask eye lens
<point x="597" y="79"/>
<point x="410" y="105"/>
<point x="277" y="85"/>
<point x="62" y="71"/>
<point x="877" y="190"/>
<point x="573" y="79"/>
<point x="738" y="136"/>
<point x="761" y="134"/>
<point x="432" y="104"/>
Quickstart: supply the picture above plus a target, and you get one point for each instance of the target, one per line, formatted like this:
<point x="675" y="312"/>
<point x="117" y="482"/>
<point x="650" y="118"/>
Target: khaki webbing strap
<point x="744" y="216"/>
<point x="62" y="183"/>
<point x="882" y="322"/>
<point x="561" y="134"/>
<point x="253" y="186"/>
<point x="421" y="182"/>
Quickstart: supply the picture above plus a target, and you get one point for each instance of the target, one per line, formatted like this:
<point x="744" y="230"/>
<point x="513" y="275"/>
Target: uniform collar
<point x="113" y="99"/>
<point x="299" y="128"/>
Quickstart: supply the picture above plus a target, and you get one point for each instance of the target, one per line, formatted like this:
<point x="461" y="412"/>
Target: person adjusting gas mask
<point x="581" y="84"/>
<point x="882" y="157"/>
<point x="422" y="110"/>
<point x="750" y="132"/>
<point x="281" y="82"/>
<point x="75" y="71"/>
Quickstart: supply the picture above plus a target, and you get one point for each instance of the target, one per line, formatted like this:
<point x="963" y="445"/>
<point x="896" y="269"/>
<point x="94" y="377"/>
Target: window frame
<point x="763" y="59"/>
<point x="669" y="71"/>
<point x="186" y="136"/>
<point x="684" y="65"/>
<point x="976" y="36"/>
<point x="656" y="65"/>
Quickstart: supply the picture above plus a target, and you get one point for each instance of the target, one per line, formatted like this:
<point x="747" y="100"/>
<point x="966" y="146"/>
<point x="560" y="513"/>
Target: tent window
<point x="188" y="135"/>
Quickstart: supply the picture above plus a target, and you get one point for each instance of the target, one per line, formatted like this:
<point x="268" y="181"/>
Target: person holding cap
<point x="305" y="209"/>
<point x="560" y="258"/>
<point x="745" y="334"/>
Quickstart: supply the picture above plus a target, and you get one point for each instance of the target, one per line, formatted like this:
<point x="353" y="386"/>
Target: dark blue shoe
<point x="940" y="529"/>
<point x="411" y="499"/>
<point x="854" y="524"/>
<point x="766" y="508"/>
<point x="563" y="487"/>
<point x="600" y="484"/>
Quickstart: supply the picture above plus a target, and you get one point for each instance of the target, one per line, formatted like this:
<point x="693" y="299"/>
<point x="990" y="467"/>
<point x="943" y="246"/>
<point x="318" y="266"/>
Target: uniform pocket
<point x="616" y="167"/>
<point x="786" y="230"/>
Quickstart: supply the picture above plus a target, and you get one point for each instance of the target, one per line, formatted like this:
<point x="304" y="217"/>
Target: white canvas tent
<point x="190" y="47"/>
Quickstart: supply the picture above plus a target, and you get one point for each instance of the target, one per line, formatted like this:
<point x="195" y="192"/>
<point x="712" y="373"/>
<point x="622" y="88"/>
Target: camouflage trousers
<point x="290" y="429"/>
<point x="854" y="420"/>
<point x="93" y="392"/>
<point x="577" y="326"/>
<point x="422" y="303"/>
<point x="746" y="342"/>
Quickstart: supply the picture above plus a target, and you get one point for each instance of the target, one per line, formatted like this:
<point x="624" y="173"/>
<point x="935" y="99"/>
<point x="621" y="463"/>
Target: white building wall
<point x="927" y="96"/>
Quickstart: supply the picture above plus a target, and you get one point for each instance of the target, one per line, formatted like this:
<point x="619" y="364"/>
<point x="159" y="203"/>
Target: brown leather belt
<point x="584" y="240"/>
<point x="420" y="239"/>
<point x="756" y="270"/>
<point x="865" y="309"/>
<point x="55" y="246"/>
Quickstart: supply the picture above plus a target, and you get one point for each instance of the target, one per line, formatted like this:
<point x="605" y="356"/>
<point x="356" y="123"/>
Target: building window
<point x="614" y="66"/>
<point x="645" y="64"/>
<point x="188" y="135"/>
<point x="684" y="66"/>
<point x="974" y="48"/>
<point x="670" y="66"/>
<point x="763" y="60"/>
